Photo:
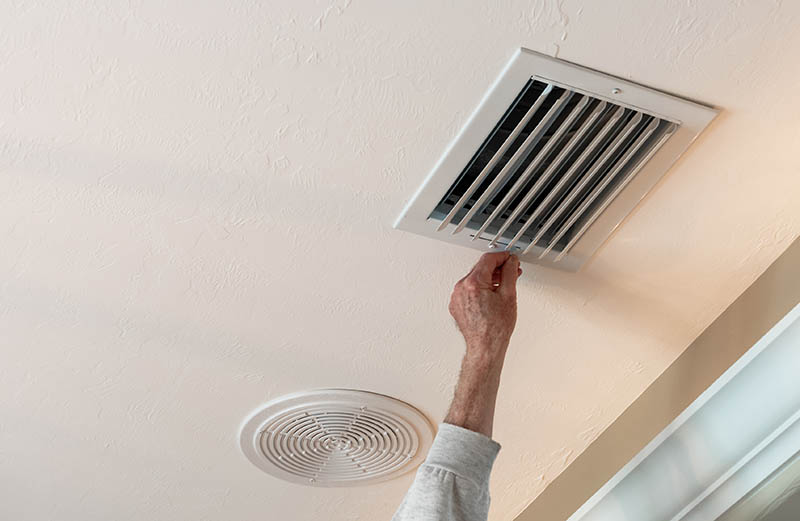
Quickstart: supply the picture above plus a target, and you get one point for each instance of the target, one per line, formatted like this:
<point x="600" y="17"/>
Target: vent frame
<point x="689" y="118"/>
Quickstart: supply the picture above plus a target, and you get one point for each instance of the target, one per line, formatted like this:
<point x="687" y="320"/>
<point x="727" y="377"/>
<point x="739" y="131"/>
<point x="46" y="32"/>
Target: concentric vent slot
<point x="551" y="165"/>
<point x="339" y="443"/>
<point x="336" y="438"/>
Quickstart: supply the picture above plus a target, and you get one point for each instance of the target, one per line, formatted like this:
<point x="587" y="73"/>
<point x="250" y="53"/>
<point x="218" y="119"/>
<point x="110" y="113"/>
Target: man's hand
<point x="484" y="303"/>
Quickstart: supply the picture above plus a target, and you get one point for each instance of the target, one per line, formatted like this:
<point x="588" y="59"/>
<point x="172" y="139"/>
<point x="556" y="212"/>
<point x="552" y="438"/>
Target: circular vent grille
<point x="336" y="437"/>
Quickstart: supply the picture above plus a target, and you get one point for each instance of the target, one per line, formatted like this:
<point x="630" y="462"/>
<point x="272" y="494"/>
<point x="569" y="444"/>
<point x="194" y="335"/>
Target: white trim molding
<point x="729" y="440"/>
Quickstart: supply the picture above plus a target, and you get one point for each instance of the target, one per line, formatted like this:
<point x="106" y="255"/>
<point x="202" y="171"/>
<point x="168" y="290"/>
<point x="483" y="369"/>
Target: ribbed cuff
<point x="463" y="452"/>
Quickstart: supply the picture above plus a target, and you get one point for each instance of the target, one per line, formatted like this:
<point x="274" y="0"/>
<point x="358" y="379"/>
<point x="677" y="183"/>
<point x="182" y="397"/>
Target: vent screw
<point x="616" y="90"/>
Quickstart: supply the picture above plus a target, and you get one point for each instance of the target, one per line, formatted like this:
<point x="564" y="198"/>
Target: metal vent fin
<point x="551" y="165"/>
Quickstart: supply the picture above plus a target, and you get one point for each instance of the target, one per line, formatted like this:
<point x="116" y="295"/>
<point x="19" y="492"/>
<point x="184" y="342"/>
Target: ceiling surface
<point x="196" y="202"/>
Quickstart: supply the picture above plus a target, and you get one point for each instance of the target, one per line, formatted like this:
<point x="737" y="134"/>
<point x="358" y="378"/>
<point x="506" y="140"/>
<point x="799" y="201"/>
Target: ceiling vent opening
<point x="336" y="438"/>
<point x="552" y="161"/>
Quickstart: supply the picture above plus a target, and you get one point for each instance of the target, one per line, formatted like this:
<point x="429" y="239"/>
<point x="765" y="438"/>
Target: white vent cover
<point x="336" y="438"/>
<point x="552" y="161"/>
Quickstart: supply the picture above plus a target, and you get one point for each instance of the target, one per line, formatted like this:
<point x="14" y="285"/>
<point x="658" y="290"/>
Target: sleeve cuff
<point x="463" y="452"/>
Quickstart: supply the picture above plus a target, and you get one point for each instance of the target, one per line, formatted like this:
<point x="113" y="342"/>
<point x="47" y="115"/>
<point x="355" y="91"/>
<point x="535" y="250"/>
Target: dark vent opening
<point x="513" y="115"/>
<point x="613" y="183"/>
<point x="601" y="169"/>
<point x="573" y="170"/>
<point x="562" y="169"/>
<point x="525" y="161"/>
<point x="527" y="154"/>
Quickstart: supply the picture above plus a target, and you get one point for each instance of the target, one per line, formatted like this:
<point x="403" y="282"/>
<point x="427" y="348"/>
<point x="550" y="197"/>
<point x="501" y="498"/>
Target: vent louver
<point x="553" y="159"/>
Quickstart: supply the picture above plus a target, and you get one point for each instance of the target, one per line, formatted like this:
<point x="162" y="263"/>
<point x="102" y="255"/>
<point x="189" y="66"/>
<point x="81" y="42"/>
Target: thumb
<point x="508" y="276"/>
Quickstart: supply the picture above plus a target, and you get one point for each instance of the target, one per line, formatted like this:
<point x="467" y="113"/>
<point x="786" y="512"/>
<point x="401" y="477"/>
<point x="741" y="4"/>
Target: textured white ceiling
<point x="196" y="202"/>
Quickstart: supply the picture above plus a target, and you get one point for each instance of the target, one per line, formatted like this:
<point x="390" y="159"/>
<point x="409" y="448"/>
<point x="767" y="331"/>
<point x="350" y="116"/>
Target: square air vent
<point x="554" y="158"/>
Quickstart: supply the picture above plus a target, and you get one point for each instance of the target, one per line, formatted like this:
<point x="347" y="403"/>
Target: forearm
<point x="476" y="391"/>
<point x="453" y="483"/>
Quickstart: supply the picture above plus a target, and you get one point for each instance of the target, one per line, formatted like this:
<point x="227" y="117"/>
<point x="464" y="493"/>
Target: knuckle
<point x="470" y="285"/>
<point x="494" y="254"/>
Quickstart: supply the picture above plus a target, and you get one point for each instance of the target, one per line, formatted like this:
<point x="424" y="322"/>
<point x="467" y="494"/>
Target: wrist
<point x="474" y="401"/>
<point x="486" y="355"/>
<point x="486" y="349"/>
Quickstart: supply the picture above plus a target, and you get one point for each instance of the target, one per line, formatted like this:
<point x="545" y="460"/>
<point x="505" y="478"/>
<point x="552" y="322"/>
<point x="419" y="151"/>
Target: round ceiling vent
<point x="336" y="438"/>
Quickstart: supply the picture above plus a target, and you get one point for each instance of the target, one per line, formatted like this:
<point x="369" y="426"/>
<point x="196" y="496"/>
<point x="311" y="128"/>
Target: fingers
<point x="509" y="273"/>
<point x="496" y="275"/>
<point x="482" y="272"/>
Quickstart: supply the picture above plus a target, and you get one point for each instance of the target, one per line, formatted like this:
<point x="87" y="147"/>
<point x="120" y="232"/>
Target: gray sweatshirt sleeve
<point x="453" y="482"/>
